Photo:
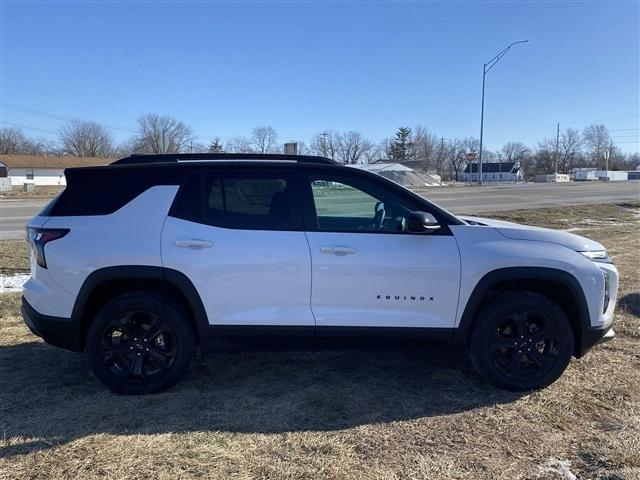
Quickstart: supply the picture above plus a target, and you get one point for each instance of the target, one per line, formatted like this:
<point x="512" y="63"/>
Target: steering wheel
<point x="378" y="219"/>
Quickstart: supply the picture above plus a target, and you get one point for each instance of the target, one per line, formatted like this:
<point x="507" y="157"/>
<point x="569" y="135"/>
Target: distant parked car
<point x="139" y="262"/>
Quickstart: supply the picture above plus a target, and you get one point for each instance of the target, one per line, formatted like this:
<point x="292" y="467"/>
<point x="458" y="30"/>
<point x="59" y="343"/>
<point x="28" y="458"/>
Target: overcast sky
<point x="303" y="67"/>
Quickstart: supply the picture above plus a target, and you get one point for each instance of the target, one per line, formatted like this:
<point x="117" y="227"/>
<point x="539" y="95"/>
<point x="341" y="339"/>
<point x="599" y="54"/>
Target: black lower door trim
<point x="225" y="337"/>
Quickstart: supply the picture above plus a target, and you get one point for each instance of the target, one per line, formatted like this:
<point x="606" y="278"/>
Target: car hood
<point x="525" y="232"/>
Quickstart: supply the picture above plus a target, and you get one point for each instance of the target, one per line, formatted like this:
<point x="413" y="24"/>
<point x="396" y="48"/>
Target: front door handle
<point x="338" y="250"/>
<point x="193" y="244"/>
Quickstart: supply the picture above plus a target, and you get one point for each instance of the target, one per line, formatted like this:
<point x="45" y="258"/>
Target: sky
<point x="308" y="66"/>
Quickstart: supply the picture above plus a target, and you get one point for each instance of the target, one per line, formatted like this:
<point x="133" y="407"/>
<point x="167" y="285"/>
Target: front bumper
<point x="57" y="331"/>
<point x="592" y="337"/>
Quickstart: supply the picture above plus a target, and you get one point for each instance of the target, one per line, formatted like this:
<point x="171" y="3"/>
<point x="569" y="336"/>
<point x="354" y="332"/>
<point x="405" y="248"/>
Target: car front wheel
<point x="521" y="341"/>
<point x="140" y="343"/>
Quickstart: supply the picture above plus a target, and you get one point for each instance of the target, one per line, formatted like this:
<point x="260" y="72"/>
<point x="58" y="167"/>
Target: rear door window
<point x="247" y="201"/>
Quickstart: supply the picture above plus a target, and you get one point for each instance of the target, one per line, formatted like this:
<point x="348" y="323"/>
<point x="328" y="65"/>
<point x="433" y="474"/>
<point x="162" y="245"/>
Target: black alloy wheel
<point x="521" y="341"/>
<point x="139" y="343"/>
<point x="138" y="346"/>
<point x="525" y="345"/>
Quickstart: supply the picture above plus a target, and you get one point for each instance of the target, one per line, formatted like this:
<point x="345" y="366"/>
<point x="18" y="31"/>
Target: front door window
<point x="345" y="205"/>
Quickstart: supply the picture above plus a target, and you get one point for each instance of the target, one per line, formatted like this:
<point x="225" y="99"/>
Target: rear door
<point x="368" y="270"/>
<point x="238" y="236"/>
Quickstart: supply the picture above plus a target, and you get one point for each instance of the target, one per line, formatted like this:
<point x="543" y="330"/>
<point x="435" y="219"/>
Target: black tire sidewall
<point x="170" y="312"/>
<point x="494" y="313"/>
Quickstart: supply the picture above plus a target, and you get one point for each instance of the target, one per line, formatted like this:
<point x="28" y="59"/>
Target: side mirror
<point x="422" y="222"/>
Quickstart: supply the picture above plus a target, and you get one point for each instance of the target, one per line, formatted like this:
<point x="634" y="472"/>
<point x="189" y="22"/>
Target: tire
<point x="140" y="343"/>
<point x="521" y="341"/>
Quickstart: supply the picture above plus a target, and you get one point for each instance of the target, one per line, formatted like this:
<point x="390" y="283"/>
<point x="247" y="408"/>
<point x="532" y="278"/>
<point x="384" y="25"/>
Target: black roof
<point x="494" y="167"/>
<point x="221" y="157"/>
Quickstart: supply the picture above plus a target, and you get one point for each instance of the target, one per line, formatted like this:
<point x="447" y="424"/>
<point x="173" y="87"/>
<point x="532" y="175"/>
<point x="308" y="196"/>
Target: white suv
<point x="139" y="262"/>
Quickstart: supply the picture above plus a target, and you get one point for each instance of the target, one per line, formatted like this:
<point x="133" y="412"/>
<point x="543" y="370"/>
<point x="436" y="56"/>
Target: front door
<point x="367" y="269"/>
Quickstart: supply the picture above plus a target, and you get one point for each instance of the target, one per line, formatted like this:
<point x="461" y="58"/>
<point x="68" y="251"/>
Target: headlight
<point x="597" y="256"/>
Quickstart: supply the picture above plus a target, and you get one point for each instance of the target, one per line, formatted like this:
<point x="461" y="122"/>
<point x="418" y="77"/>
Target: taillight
<point x="39" y="237"/>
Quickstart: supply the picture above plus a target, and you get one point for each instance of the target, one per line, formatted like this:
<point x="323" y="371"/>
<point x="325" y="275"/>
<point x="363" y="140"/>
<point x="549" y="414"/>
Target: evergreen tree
<point x="401" y="146"/>
<point x="216" y="146"/>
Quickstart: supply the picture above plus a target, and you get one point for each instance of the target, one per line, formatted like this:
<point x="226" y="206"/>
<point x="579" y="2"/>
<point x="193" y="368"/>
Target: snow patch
<point x="13" y="283"/>
<point x="554" y="468"/>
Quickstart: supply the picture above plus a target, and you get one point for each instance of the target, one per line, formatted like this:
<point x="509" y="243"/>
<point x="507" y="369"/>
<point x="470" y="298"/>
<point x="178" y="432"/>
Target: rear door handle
<point x="193" y="244"/>
<point x="338" y="250"/>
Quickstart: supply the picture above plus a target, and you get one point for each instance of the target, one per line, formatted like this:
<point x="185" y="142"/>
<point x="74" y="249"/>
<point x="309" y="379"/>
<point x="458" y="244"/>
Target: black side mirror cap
<point x="422" y="222"/>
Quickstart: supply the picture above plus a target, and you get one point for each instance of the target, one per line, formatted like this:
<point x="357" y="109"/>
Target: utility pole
<point x="324" y="136"/>
<point x="555" y="158"/>
<point x="606" y="157"/>
<point x="163" y="145"/>
<point x="441" y="158"/>
<point x="490" y="64"/>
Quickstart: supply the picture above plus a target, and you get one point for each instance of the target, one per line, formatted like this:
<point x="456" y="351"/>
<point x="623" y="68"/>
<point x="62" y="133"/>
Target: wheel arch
<point x="107" y="283"/>
<point x="558" y="285"/>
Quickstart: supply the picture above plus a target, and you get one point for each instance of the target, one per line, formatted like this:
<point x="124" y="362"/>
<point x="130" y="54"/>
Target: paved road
<point x="474" y="199"/>
<point x="14" y="214"/>
<point x="460" y="199"/>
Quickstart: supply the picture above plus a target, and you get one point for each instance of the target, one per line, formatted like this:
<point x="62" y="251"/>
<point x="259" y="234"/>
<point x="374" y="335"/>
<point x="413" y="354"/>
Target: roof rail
<point x="138" y="159"/>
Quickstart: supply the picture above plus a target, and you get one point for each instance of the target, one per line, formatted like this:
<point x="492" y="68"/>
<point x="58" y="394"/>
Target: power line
<point x="57" y="116"/>
<point x="58" y="142"/>
<point x="589" y="122"/>
<point x="28" y="128"/>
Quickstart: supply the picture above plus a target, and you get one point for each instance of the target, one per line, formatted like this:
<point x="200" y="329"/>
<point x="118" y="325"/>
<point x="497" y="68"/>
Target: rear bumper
<point x="57" y="331"/>
<point x="592" y="337"/>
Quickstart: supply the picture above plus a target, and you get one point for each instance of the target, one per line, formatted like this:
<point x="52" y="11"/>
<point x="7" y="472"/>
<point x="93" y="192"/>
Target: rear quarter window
<point x="104" y="191"/>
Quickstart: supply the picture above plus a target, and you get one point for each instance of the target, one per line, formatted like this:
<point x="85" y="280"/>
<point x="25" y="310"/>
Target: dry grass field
<point x="14" y="257"/>
<point x="334" y="415"/>
<point x="39" y="192"/>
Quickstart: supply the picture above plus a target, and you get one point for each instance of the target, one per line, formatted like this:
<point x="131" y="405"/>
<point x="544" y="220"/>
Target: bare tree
<point x="633" y="161"/>
<point x="456" y="155"/>
<point x="424" y="147"/>
<point x="544" y="156"/>
<point x="86" y="139"/>
<point x="126" y="148"/>
<point x="352" y="147"/>
<point x="617" y="159"/>
<point x="375" y="153"/>
<point x="265" y="139"/>
<point x="325" y="144"/>
<point x="238" y="145"/>
<point x="569" y="150"/>
<point x="12" y="141"/>
<point x="162" y="134"/>
<point x="514" y="152"/>
<point x="596" y="141"/>
<point x="302" y="148"/>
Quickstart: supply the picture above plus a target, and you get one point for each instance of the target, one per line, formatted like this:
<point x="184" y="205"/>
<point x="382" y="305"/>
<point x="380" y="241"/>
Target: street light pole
<point x="485" y="69"/>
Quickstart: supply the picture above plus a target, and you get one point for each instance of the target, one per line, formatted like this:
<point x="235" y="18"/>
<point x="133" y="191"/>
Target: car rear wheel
<point x="521" y="341"/>
<point x="140" y="343"/>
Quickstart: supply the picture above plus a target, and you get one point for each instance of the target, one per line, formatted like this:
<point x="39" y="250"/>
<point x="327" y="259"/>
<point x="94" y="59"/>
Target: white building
<point x="40" y="170"/>
<point x="601" y="175"/>
<point x="551" y="178"/>
<point x="494" y="172"/>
